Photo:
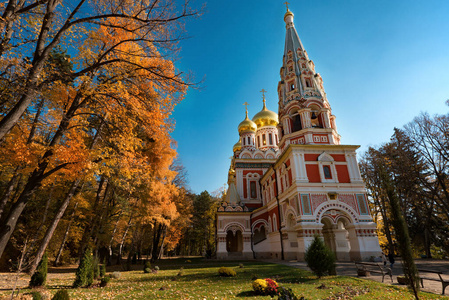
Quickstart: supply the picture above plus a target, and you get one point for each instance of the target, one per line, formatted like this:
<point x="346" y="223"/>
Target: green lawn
<point x="200" y="280"/>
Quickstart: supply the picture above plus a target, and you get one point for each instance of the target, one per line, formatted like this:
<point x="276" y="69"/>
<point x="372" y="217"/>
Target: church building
<point x="290" y="178"/>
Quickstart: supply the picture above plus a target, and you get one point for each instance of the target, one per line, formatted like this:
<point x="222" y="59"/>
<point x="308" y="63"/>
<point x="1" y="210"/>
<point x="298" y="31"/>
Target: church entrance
<point x="336" y="237"/>
<point x="234" y="241"/>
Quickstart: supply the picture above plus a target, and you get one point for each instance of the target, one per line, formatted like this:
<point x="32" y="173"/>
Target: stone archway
<point x="336" y="234"/>
<point x="234" y="241"/>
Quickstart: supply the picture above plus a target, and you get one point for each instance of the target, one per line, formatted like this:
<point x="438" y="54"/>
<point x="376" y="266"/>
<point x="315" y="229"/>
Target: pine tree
<point x="84" y="273"/>
<point x="40" y="275"/>
<point x="320" y="259"/>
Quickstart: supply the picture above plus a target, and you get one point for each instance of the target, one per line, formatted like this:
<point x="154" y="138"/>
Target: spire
<point x="292" y="41"/>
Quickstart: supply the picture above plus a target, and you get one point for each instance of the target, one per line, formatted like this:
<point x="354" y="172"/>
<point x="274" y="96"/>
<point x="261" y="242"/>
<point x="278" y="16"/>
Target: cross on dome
<point x="246" y="108"/>
<point x="286" y="4"/>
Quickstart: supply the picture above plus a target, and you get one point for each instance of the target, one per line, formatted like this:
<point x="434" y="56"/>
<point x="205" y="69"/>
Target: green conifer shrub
<point x="147" y="267"/>
<point x="36" y="295"/>
<point x="40" y="275"/>
<point x="104" y="281"/>
<point x="320" y="259"/>
<point x="84" y="273"/>
<point x="102" y="270"/>
<point x="61" y="295"/>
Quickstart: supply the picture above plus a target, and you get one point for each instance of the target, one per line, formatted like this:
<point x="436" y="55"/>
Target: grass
<point x="200" y="280"/>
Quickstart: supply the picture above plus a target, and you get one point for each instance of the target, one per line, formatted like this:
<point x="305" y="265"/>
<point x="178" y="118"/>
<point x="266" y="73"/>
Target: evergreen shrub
<point x="61" y="295"/>
<point x="36" y="295"/>
<point x="287" y="294"/>
<point x="104" y="281"/>
<point x="320" y="259"/>
<point x="84" y="273"/>
<point x="40" y="275"/>
<point x="226" y="272"/>
<point x="147" y="267"/>
<point x="102" y="270"/>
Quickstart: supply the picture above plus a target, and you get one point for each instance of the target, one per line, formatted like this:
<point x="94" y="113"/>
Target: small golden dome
<point x="288" y="13"/>
<point x="266" y="117"/>
<point x="237" y="146"/>
<point x="247" y="125"/>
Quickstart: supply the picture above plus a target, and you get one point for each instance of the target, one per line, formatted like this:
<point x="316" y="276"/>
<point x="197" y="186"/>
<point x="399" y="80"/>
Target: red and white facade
<point x="291" y="179"/>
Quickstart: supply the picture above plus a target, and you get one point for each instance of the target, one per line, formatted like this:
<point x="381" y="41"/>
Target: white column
<point x="326" y="119"/>
<point x="305" y="118"/>
<point x="239" y="180"/>
<point x="300" y="167"/>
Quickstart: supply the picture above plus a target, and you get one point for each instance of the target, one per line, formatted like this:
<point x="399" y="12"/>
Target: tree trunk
<point x="51" y="229"/>
<point x="8" y="191"/>
<point x="66" y="234"/>
<point x="158" y="233"/>
<point x="122" y="242"/>
<point x="112" y="239"/>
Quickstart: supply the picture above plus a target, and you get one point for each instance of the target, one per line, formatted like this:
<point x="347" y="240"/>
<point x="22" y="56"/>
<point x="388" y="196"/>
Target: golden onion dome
<point x="237" y="146"/>
<point x="247" y="125"/>
<point x="266" y="117"/>
<point x="288" y="13"/>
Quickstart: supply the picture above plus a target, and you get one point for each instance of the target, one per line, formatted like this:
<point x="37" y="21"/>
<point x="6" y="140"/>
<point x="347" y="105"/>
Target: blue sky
<point x="382" y="63"/>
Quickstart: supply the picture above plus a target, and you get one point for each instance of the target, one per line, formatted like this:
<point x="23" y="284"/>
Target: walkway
<point x="349" y="269"/>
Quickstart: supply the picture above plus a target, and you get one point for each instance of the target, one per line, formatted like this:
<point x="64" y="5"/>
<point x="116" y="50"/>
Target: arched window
<point x="275" y="225"/>
<point x="308" y="82"/>
<point x="297" y="123"/>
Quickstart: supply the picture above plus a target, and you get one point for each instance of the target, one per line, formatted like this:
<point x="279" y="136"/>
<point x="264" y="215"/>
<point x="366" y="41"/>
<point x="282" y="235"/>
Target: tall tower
<point x="304" y="112"/>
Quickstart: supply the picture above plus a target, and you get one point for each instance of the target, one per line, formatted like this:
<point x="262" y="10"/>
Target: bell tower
<point x="305" y="115"/>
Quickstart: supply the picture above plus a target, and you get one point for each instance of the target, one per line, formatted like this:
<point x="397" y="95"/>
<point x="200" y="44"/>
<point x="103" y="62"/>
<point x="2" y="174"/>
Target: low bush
<point x="61" y="295"/>
<point x="287" y="294"/>
<point x="147" y="267"/>
<point x="226" y="272"/>
<point x="156" y="268"/>
<point x="36" y="295"/>
<point x="116" y="275"/>
<point x="265" y="286"/>
<point x="40" y="275"/>
<point x="104" y="281"/>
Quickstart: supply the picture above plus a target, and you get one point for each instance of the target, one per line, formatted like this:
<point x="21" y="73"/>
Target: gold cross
<point x="263" y="93"/>
<point x="286" y="4"/>
<point x="246" y="106"/>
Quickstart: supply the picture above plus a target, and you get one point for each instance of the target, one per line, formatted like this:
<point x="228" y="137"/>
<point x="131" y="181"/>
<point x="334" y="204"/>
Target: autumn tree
<point x="105" y="118"/>
<point x="30" y="30"/>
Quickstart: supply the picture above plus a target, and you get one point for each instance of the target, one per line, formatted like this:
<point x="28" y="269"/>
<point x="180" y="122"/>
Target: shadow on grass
<point x="246" y="294"/>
